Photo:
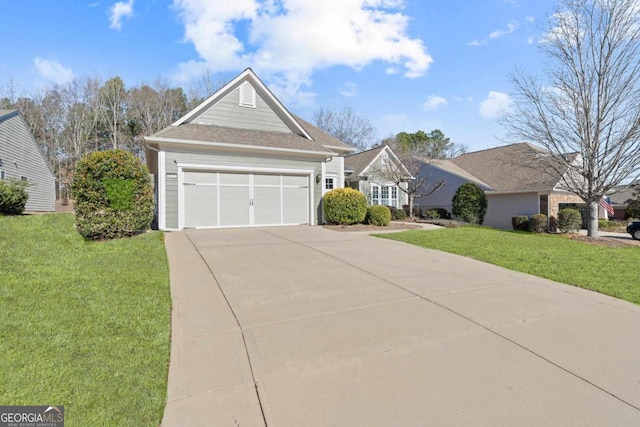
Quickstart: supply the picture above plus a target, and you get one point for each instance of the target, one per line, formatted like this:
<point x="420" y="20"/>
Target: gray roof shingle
<point x="248" y="137"/>
<point x="517" y="167"/>
<point x="359" y="162"/>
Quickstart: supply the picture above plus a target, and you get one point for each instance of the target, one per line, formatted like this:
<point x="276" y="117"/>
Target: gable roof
<point x="360" y="161"/>
<point x="302" y="136"/>
<point x="4" y="113"/>
<point x="516" y="167"/>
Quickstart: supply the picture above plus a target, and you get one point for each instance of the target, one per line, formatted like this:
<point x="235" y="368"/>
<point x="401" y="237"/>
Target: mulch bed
<point x="368" y="227"/>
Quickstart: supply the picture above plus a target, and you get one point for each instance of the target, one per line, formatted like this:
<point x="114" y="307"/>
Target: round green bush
<point x="113" y="195"/>
<point x="431" y="214"/>
<point x="378" y="215"/>
<point x="13" y="197"/>
<point x="470" y="203"/>
<point x="345" y="206"/>
<point x="538" y="223"/>
<point x="399" y="214"/>
<point x="520" y="222"/>
<point x="569" y="220"/>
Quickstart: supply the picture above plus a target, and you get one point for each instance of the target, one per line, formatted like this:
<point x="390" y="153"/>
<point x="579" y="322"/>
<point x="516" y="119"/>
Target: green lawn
<point x="83" y="324"/>
<point x="611" y="271"/>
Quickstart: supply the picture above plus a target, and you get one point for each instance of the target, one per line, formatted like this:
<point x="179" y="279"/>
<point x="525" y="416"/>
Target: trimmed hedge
<point x="13" y="197"/>
<point x="378" y="215"/>
<point x="113" y="195"/>
<point x="520" y="222"/>
<point x="345" y="206"/>
<point x="397" y="213"/>
<point x="569" y="220"/>
<point x="538" y="223"/>
<point x="431" y="214"/>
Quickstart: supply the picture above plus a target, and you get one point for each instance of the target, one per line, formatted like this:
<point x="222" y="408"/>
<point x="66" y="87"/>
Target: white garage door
<point x="222" y="199"/>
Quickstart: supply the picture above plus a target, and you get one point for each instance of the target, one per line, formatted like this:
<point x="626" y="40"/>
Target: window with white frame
<point x="386" y="195"/>
<point x="329" y="183"/>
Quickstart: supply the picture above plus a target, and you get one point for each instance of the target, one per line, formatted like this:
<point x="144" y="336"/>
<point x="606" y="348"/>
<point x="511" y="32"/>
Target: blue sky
<point x="406" y="64"/>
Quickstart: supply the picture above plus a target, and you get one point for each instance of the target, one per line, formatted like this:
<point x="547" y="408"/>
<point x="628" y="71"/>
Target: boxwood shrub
<point x="113" y="195"/>
<point x="13" y="197"/>
<point x="569" y="220"/>
<point x="520" y="222"/>
<point x="345" y="206"/>
<point x="538" y="223"/>
<point x="378" y="215"/>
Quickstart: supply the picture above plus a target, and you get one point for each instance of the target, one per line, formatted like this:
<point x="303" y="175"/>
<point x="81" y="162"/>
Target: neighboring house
<point x="366" y="172"/>
<point x="515" y="178"/>
<point x="241" y="159"/>
<point x="21" y="159"/>
<point x="619" y="198"/>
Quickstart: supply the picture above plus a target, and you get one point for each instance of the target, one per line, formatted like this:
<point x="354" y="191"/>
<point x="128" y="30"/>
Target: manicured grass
<point x="83" y="324"/>
<point x="611" y="271"/>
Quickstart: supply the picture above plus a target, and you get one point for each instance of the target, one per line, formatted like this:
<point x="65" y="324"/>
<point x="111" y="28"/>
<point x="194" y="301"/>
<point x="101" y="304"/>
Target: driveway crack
<point x="244" y="340"/>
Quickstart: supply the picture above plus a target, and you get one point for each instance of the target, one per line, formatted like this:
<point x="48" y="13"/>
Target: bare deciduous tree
<point x="346" y="125"/>
<point x="586" y="112"/>
<point x="405" y="172"/>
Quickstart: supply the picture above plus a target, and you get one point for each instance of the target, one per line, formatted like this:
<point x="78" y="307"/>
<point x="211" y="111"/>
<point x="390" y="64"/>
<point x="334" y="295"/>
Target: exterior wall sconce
<point x="318" y="178"/>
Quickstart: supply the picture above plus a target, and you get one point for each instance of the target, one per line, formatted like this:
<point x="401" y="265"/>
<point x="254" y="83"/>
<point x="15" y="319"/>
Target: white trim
<point x="199" y="166"/>
<point x="341" y="172"/>
<point x="162" y="192"/>
<point x="237" y="146"/>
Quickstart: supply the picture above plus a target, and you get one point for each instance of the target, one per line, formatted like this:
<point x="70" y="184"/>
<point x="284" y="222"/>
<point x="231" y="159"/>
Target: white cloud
<point x="496" y="104"/>
<point x="511" y="27"/>
<point x="474" y="43"/>
<point x="530" y="19"/>
<point x="118" y="11"/>
<point x="349" y="90"/>
<point x="290" y="39"/>
<point x="53" y="71"/>
<point x="434" y="102"/>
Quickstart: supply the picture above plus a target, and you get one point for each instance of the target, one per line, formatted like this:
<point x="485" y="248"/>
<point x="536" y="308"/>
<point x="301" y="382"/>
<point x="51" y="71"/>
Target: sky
<point x="407" y="65"/>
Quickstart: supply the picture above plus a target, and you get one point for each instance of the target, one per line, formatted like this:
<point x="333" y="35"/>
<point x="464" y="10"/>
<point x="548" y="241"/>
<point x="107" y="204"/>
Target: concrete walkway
<point x="303" y="326"/>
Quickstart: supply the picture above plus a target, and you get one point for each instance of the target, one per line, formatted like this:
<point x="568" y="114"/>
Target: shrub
<point x="431" y="214"/>
<point x="397" y="213"/>
<point x="553" y="224"/>
<point x="520" y="222"/>
<point x="470" y="203"/>
<point x="569" y="220"/>
<point x="538" y="223"/>
<point x="345" y="206"/>
<point x="417" y="212"/>
<point x="378" y="215"/>
<point x="444" y="214"/>
<point x="113" y="195"/>
<point x="13" y="197"/>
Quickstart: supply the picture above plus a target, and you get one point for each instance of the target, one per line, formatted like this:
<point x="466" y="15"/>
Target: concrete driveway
<point x="302" y="326"/>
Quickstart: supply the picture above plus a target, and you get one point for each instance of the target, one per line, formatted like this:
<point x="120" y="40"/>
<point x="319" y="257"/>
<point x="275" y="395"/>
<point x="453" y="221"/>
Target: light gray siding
<point x="21" y="157"/>
<point x="213" y="159"/>
<point x="228" y="112"/>
<point x="502" y="207"/>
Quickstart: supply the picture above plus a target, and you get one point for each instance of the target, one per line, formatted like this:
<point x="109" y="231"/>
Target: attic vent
<point x="247" y="95"/>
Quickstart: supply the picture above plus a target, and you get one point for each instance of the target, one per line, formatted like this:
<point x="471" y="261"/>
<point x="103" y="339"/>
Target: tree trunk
<point x="592" y="224"/>
<point x="411" y="197"/>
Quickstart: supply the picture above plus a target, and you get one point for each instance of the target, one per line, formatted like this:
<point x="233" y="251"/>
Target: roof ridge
<point x="381" y="147"/>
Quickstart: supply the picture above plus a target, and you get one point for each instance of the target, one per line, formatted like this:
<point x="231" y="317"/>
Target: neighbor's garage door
<point x="221" y="199"/>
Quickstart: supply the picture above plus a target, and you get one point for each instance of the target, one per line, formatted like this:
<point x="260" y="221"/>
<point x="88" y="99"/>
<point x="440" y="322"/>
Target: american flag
<point x="606" y="204"/>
